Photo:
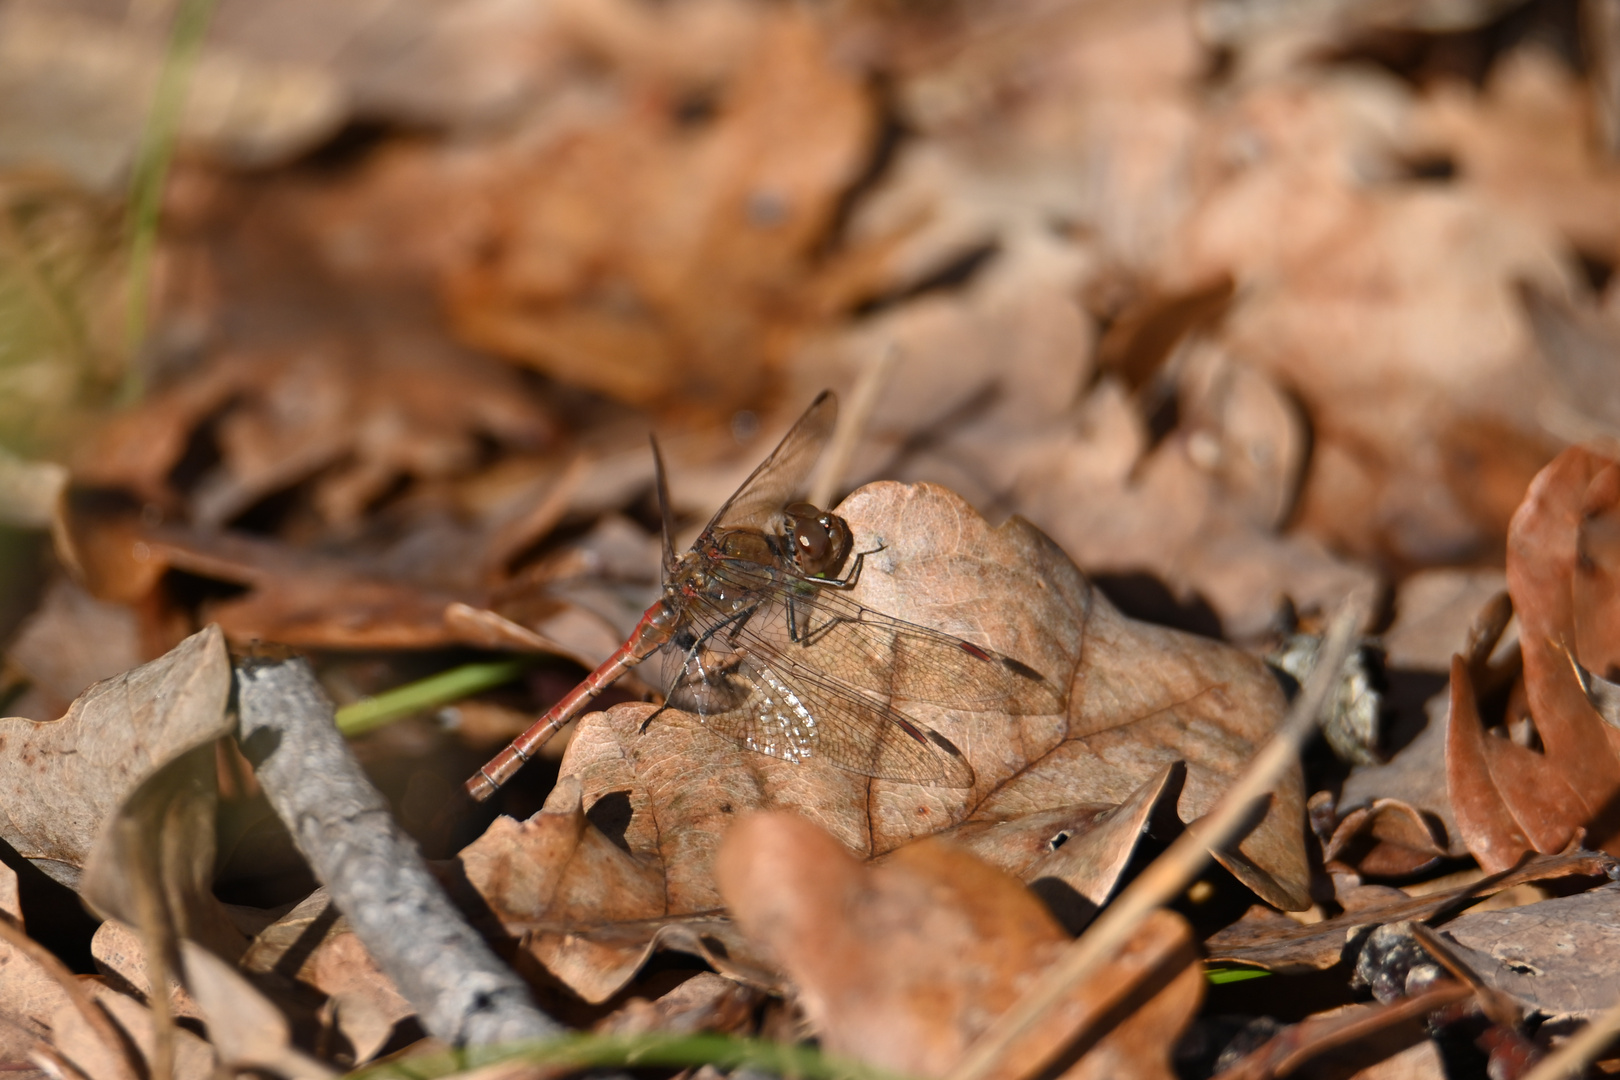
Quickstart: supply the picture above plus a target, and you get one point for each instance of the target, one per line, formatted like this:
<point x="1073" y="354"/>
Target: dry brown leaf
<point x="663" y="257"/>
<point x="313" y="945"/>
<point x="1185" y="511"/>
<point x="1556" y="957"/>
<point x="245" y="1027"/>
<point x="1525" y="141"/>
<point x="705" y="1002"/>
<point x="1434" y="612"/>
<point x="1286" y="946"/>
<point x="1416" y="776"/>
<point x="1035" y="114"/>
<point x="902" y="965"/>
<point x="70" y="641"/>
<point x="1579" y="345"/>
<point x="44" y="1001"/>
<point x="193" y="1056"/>
<point x="62" y="782"/>
<point x="64" y="72"/>
<point x="1420" y="1061"/>
<point x="306" y="600"/>
<point x="1353" y="1034"/>
<point x="980" y="379"/>
<point x="1510" y="798"/>
<point x="632" y="844"/>
<point x="1388" y="308"/>
<point x="10" y="898"/>
<point x="121" y="959"/>
<point x="31" y="997"/>
<point x="1387" y="838"/>
<point x="1073" y="858"/>
<point x="360" y="416"/>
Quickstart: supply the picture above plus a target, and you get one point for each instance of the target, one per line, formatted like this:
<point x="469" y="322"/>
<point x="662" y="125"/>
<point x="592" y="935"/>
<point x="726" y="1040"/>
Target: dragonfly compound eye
<point x="821" y="541"/>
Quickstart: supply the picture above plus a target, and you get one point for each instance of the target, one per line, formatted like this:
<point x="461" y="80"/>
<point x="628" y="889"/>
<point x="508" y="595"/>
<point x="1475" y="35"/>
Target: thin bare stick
<point x="851" y="424"/>
<point x="1581" y="1049"/>
<point x="1182" y="862"/>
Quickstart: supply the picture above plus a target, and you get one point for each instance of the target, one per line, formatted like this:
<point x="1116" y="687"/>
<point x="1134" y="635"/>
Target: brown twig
<point x="158" y="943"/>
<point x="851" y="425"/>
<point x="1582" y="1048"/>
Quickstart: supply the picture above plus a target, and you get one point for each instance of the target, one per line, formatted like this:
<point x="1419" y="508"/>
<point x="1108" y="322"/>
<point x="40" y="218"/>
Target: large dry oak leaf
<point x="654" y="805"/>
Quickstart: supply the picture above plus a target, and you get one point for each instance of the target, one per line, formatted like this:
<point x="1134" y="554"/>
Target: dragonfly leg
<point x="854" y="572"/>
<point x="647" y="723"/>
<point x="731" y="624"/>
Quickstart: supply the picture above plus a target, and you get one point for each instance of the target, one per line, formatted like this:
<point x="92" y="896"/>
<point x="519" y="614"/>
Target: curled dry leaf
<point x="902" y="965"/>
<point x="653" y="804"/>
<point x="193" y="1058"/>
<point x="62" y="782"/>
<point x="1389" y="838"/>
<point x="152" y="864"/>
<point x="1073" y="857"/>
<point x="1510" y="798"/>
<point x="1415" y="777"/>
<point x="121" y="959"/>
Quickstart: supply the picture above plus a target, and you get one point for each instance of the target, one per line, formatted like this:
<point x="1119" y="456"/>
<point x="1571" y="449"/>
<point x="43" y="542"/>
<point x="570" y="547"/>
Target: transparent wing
<point x="805" y="716"/>
<point x="781" y="476"/>
<point x="812" y="627"/>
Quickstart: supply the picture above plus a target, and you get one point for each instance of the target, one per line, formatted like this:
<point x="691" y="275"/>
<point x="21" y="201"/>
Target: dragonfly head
<point x="819" y="539"/>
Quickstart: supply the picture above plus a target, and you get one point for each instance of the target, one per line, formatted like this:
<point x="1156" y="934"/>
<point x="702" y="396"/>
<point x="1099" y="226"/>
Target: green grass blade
<point x="1220" y="976"/>
<point x="153" y="157"/>
<point x="652" y="1050"/>
<point x="428" y="693"/>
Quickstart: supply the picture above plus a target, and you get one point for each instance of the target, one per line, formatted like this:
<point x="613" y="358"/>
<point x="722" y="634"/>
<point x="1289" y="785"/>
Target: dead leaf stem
<point x="1173" y="871"/>
<point x="158" y="943"/>
<point x="464" y="994"/>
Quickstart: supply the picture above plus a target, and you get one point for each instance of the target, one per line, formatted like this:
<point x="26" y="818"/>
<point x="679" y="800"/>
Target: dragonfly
<point x="765" y="645"/>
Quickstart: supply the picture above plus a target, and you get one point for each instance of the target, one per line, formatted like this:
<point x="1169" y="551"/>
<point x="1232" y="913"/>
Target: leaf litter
<point x="1226" y="314"/>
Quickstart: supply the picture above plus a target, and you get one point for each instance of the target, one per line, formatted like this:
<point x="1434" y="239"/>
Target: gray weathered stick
<point x="463" y="993"/>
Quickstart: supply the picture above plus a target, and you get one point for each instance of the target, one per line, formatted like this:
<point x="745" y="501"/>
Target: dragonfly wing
<point x="815" y="628"/>
<point x="782" y="476"/>
<point x="800" y="715"/>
